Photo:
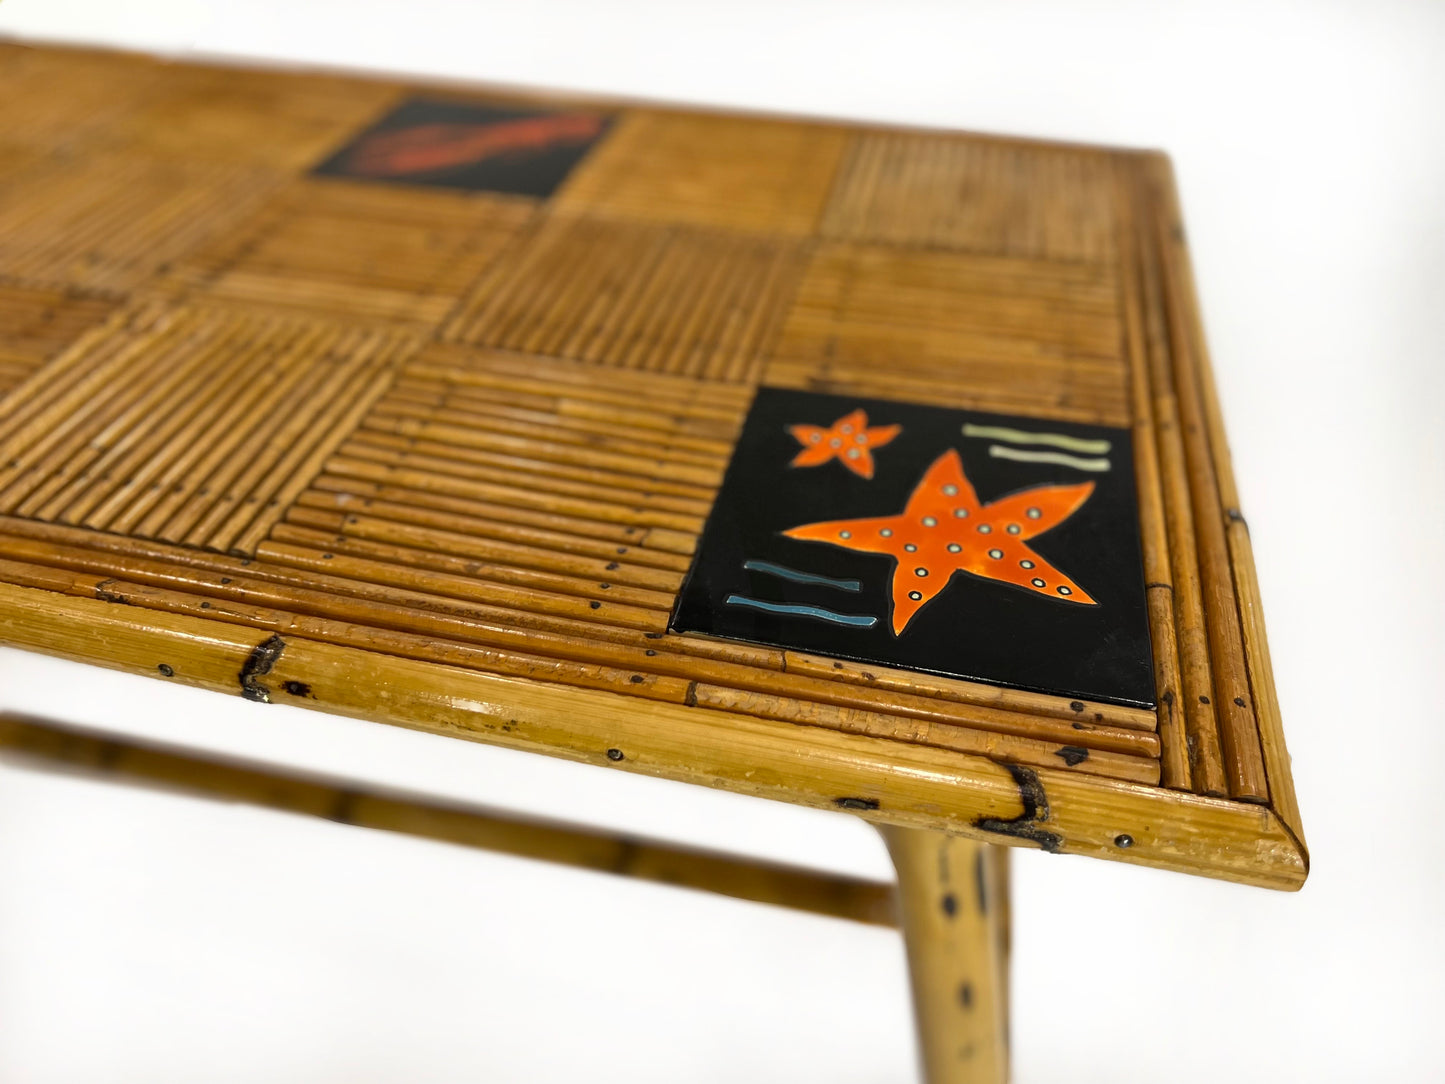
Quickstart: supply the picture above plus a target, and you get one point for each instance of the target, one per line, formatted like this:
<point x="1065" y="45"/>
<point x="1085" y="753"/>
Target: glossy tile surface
<point x="477" y="148"/>
<point x="989" y="547"/>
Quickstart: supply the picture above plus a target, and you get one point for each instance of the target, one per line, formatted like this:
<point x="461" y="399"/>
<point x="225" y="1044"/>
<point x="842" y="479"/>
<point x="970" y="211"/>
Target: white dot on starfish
<point x="995" y="554"/>
<point x="984" y="528"/>
<point x="1033" y="513"/>
<point x="861" y="438"/>
<point x="954" y="547"/>
<point x="852" y="453"/>
<point x="1014" y="528"/>
<point x="929" y="521"/>
<point x="920" y="572"/>
<point x="1026" y="564"/>
<point x="915" y="595"/>
<point x="1064" y="590"/>
<point x="835" y="443"/>
<point x="816" y="437"/>
<point x="1037" y="582"/>
<point x="845" y="534"/>
<point x="961" y="513"/>
<point x="910" y="547"/>
<point x="950" y="491"/>
<point x="886" y="532"/>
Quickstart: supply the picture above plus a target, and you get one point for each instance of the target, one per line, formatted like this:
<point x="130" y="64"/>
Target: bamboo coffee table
<point x="875" y="470"/>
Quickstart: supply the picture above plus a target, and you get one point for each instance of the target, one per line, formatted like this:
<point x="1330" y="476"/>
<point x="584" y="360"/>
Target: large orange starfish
<point x="848" y="440"/>
<point x="944" y="529"/>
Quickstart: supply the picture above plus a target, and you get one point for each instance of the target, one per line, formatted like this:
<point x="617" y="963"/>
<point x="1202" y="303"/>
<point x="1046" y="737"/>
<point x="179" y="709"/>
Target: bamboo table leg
<point x="953" y="902"/>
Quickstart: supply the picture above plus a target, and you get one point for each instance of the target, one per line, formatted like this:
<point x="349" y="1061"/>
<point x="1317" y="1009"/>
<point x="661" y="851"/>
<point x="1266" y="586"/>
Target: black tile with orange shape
<point x="522" y="152"/>
<point x="988" y="547"/>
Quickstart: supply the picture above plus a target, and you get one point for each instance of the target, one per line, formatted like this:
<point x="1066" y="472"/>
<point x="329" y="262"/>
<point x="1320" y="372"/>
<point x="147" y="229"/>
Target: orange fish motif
<point x="848" y="440"/>
<point x="423" y="148"/>
<point x="945" y="529"/>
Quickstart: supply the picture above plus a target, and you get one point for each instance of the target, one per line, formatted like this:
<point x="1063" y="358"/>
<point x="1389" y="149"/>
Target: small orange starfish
<point x="944" y="529"/>
<point x="848" y="440"/>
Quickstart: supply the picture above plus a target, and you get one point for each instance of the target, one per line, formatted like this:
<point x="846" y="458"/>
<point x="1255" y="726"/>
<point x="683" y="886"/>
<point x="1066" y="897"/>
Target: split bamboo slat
<point x="1256" y="663"/>
<point x="441" y="458"/>
<point x="1175" y="761"/>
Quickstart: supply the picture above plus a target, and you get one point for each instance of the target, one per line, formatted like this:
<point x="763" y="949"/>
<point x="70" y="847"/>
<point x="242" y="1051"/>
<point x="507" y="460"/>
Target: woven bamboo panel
<point x="434" y="434"/>
<point x="185" y="424"/>
<point x="262" y="118"/>
<point x="36" y="323"/>
<point x="99" y="89"/>
<point x="1015" y="335"/>
<point x="747" y="174"/>
<point x="996" y="197"/>
<point x="109" y="220"/>
<point x="654" y="298"/>
<point x="349" y="250"/>
<point x="16" y="159"/>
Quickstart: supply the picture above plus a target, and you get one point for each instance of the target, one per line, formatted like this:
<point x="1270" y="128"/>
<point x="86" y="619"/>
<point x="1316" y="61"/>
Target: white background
<point x="148" y="937"/>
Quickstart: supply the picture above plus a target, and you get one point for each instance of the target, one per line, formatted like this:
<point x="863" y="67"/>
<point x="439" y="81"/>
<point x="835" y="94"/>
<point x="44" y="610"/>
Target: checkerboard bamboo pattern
<point x="271" y="432"/>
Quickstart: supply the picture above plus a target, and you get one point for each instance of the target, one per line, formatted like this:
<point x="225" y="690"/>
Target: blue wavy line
<point x="857" y="620"/>
<point x="801" y="577"/>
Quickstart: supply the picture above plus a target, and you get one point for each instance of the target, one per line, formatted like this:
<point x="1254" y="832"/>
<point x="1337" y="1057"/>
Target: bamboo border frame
<point x="1220" y="681"/>
<point x="880" y="780"/>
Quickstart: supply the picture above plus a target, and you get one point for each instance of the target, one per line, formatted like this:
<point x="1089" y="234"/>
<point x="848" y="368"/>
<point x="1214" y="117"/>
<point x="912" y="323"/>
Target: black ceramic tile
<point x="478" y="148"/>
<point x="982" y="546"/>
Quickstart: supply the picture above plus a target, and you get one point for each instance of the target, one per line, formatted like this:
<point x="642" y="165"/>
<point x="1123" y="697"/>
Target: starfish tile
<point x="946" y="529"/>
<point x="850" y="440"/>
